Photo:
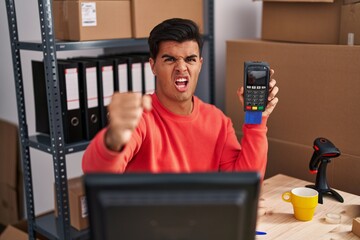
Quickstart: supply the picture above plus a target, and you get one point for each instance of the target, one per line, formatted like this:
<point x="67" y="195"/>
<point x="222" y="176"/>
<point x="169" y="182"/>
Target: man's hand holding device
<point x="258" y="95"/>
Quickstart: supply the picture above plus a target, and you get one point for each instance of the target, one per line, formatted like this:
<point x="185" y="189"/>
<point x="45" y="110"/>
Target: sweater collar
<point x="166" y="112"/>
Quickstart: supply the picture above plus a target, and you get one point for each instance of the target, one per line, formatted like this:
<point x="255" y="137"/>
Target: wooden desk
<point x="275" y="217"/>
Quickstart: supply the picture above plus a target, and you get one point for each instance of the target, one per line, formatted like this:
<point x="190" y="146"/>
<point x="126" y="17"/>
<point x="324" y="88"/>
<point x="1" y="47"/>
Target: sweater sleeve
<point x="251" y="155"/>
<point x="98" y="158"/>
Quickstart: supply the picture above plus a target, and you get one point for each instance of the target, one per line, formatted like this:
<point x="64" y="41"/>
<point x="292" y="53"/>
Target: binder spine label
<point x="108" y="84"/>
<point x="91" y="87"/>
<point x="123" y="77"/>
<point x="136" y="77"/>
<point x="72" y="88"/>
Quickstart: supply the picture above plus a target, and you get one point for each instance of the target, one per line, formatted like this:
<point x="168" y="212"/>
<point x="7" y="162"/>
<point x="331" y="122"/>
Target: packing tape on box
<point x="333" y="218"/>
<point x="253" y="117"/>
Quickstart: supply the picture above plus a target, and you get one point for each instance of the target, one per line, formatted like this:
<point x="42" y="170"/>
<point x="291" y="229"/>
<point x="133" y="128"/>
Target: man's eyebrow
<point x="167" y="56"/>
<point x="192" y="56"/>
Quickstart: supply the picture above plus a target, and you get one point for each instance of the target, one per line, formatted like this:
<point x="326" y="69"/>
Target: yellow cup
<point x="304" y="201"/>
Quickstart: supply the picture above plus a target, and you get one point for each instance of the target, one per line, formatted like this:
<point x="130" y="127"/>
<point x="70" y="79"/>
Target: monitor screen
<point x="187" y="206"/>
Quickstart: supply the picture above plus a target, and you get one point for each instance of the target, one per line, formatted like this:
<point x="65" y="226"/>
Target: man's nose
<point x="181" y="65"/>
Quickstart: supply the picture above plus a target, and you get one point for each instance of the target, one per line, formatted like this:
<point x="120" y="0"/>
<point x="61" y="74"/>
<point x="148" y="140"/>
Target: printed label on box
<point x="88" y="14"/>
<point x="84" y="208"/>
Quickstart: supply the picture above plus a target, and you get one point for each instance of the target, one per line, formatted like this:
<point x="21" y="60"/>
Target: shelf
<point x="47" y="226"/>
<point x="83" y="45"/>
<point x="43" y="143"/>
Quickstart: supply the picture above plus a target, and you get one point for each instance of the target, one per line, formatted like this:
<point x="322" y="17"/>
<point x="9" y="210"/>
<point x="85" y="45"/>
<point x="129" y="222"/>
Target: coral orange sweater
<point x="204" y="141"/>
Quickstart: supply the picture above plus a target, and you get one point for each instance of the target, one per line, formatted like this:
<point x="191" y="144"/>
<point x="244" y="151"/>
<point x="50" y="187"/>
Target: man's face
<point x="176" y="67"/>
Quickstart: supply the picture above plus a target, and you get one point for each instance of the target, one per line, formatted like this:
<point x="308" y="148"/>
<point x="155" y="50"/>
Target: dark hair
<point x="174" y="29"/>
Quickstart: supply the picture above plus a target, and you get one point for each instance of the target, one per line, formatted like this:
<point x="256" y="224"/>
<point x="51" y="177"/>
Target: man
<point x="172" y="130"/>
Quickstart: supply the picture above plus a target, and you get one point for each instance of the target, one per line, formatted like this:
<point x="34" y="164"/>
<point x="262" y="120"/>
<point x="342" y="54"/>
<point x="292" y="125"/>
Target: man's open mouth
<point x="181" y="83"/>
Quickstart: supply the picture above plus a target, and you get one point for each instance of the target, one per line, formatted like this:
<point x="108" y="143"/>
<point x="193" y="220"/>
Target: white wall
<point x="233" y="19"/>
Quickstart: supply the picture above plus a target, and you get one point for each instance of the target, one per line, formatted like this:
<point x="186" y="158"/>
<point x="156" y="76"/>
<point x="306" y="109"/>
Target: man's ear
<point x="201" y="62"/>
<point x="152" y="65"/>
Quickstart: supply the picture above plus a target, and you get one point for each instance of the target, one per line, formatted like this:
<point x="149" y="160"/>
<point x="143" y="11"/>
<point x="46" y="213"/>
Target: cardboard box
<point x="18" y="231"/>
<point x="356" y="226"/>
<point x="77" y="204"/>
<point x="345" y="173"/>
<point x="11" y="233"/>
<point x="350" y="23"/>
<point x="351" y="1"/>
<point x="94" y="20"/>
<point x="308" y="21"/>
<point x="293" y="159"/>
<point x="319" y="90"/>
<point x="11" y="178"/>
<point x="146" y="14"/>
<point x="319" y="95"/>
<point x="8" y="204"/>
<point x="9" y="153"/>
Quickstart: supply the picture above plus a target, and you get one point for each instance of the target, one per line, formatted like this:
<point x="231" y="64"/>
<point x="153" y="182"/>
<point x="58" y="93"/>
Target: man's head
<point x="176" y="61"/>
<point x="175" y="29"/>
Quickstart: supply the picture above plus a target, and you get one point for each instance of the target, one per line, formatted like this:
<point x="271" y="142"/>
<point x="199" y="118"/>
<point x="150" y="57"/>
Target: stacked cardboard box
<point x="12" y="232"/>
<point x="81" y="20"/>
<point x="350" y="23"/>
<point x="319" y="88"/>
<point x="11" y="187"/>
<point x="148" y="13"/>
<point x="77" y="204"/>
<point x="319" y="94"/>
<point x="19" y="231"/>
<point x="311" y="21"/>
<point x="91" y="20"/>
<point x="356" y="226"/>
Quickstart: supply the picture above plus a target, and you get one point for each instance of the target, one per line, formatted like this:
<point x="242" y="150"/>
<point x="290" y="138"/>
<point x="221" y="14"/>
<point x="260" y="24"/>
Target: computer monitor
<point x="186" y="206"/>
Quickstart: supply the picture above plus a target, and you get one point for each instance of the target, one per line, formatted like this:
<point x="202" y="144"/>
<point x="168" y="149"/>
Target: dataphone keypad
<point x="255" y="98"/>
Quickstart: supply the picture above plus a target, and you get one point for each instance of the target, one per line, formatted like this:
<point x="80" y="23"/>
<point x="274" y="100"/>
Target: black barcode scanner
<point x="324" y="150"/>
